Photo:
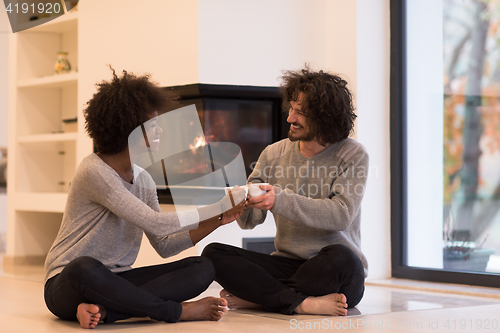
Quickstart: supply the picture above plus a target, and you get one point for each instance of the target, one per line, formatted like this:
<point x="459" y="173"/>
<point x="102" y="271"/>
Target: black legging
<point x="153" y="291"/>
<point x="280" y="284"/>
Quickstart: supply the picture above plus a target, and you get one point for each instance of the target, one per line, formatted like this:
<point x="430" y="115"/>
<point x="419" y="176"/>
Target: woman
<point x="110" y="204"/>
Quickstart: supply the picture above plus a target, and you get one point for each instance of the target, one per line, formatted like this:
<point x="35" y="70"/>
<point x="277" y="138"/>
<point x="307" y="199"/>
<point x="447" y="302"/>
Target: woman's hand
<point x="236" y="201"/>
<point x="232" y="214"/>
<point x="233" y="198"/>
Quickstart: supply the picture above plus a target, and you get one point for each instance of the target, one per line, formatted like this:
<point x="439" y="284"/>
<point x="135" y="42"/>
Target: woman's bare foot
<point x="208" y="308"/>
<point x="89" y="315"/>
<point x="331" y="304"/>
<point x="234" y="302"/>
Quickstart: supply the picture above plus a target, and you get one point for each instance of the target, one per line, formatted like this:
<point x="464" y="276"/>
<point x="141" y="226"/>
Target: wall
<point x="251" y="42"/>
<point x="159" y="38"/>
<point x="5" y="30"/>
<point x="341" y="18"/>
<point x="425" y="132"/>
<point x="373" y="62"/>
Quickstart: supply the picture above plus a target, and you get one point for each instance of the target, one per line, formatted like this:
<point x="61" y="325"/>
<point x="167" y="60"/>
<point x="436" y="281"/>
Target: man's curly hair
<point x="121" y="105"/>
<point x="327" y="103"/>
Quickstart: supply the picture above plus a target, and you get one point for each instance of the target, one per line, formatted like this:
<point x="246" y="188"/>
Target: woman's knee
<point x="204" y="269"/>
<point x="81" y="268"/>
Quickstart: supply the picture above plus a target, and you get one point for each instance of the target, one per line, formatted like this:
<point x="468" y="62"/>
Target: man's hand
<point x="264" y="201"/>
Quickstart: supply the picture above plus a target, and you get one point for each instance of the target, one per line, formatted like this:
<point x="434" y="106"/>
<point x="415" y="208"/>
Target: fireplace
<point x="247" y="116"/>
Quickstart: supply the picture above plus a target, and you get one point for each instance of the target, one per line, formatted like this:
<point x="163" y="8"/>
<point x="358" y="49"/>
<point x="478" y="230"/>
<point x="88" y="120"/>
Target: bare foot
<point x="234" y="302"/>
<point x="208" y="308"/>
<point x="89" y="315"/>
<point x="331" y="304"/>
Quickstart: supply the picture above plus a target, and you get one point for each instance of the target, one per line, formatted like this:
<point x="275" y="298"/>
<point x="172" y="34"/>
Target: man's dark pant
<point x="280" y="284"/>
<point x="153" y="291"/>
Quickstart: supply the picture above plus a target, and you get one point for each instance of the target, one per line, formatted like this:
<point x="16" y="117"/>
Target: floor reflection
<point x="384" y="300"/>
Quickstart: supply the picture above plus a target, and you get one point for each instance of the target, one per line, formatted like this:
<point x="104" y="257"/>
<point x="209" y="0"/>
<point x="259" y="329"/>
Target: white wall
<point x="341" y="18"/>
<point x="251" y="42"/>
<point x="159" y="37"/>
<point x="425" y="133"/>
<point x="5" y="30"/>
<point x="373" y="131"/>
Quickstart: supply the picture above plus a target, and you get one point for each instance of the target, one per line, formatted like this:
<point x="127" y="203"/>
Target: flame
<point x="198" y="142"/>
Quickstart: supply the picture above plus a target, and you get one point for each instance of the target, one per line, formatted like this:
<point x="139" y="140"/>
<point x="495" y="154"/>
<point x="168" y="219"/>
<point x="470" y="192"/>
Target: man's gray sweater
<point x="317" y="199"/>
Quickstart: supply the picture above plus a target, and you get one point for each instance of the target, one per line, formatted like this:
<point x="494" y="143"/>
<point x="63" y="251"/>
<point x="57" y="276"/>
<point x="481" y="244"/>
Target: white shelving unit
<point x="42" y="158"/>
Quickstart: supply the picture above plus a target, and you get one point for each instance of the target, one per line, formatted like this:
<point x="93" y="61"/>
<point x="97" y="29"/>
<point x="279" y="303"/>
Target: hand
<point x="264" y="201"/>
<point x="232" y="214"/>
<point x="233" y="205"/>
<point x="234" y="197"/>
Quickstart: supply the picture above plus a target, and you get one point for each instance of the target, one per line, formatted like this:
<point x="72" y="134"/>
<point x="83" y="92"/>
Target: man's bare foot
<point x="331" y="304"/>
<point x="89" y="315"/>
<point x="208" y="308"/>
<point x="234" y="302"/>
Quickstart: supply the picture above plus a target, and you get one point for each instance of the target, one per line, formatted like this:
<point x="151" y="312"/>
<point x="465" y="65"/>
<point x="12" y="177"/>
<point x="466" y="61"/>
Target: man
<point x="316" y="182"/>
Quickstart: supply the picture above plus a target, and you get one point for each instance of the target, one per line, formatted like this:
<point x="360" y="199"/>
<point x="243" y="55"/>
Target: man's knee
<point x="337" y="248"/>
<point x="355" y="290"/>
<point x="212" y="250"/>
<point x="341" y="256"/>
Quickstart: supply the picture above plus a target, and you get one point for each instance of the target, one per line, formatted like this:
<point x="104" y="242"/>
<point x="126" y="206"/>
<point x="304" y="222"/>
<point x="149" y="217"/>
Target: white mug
<point x="227" y="189"/>
<point x="254" y="189"/>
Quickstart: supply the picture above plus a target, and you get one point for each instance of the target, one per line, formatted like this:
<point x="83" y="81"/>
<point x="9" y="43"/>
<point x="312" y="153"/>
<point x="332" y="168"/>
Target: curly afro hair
<point x="121" y="105"/>
<point x="327" y="103"/>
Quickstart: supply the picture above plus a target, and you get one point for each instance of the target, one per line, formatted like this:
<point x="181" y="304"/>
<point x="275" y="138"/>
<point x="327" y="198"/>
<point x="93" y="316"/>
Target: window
<point x="445" y="140"/>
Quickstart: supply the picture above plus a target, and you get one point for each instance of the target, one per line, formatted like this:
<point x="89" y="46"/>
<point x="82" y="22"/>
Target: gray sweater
<point x="105" y="218"/>
<point x="317" y="200"/>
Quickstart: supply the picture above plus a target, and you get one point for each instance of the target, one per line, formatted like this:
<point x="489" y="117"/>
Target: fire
<point x="198" y="142"/>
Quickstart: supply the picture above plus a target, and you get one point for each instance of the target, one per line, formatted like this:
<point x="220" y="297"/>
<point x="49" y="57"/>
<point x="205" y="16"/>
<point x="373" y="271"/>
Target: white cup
<point x="227" y="189"/>
<point x="254" y="189"/>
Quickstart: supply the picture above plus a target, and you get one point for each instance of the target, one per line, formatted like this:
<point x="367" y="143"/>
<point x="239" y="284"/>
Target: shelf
<point x="52" y="81"/>
<point x="45" y="167"/>
<point x="40" y="202"/>
<point x="45" y="157"/>
<point x="42" y="138"/>
<point x="62" y="24"/>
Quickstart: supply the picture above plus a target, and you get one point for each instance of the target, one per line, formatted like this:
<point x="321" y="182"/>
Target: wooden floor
<point x="388" y="305"/>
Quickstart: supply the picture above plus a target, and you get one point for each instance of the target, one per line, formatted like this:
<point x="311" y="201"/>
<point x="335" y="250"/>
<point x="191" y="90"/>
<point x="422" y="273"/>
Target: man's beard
<point x="305" y="136"/>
